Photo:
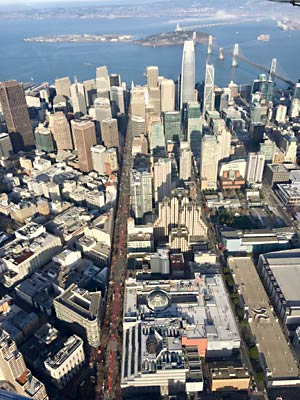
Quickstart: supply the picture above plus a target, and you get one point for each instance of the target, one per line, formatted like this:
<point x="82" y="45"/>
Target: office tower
<point x="209" y="162"/>
<point x="138" y="125"/>
<point x="14" y="372"/>
<point x="297" y="91"/>
<point x="102" y="82"/>
<point x="267" y="148"/>
<point x="44" y="139"/>
<point x="152" y="76"/>
<point x="141" y="192"/>
<point x="255" y="112"/>
<point x="90" y="91"/>
<point x="162" y="175"/>
<point x="281" y="113"/>
<point x="194" y="127"/>
<point x="167" y="95"/>
<point x="81" y="310"/>
<point x="154" y="99"/>
<point x="295" y="108"/>
<point x="111" y="161"/>
<point x="6" y="149"/>
<point x="117" y="100"/>
<point x="61" y="132"/>
<point x="115" y="80"/>
<point x="137" y="101"/>
<point x="102" y="109"/>
<point x="78" y="99"/>
<point x="14" y="108"/>
<point x="84" y="134"/>
<point x="255" y="168"/>
<point x="187" y="73"/>
<point x="98" y="158"/>
<point x="224" y="142"/>
<point x="62" y="86"/>
<point x="209" y="96"/>
<point x="157" y="139"/>
<point x="172" y="126"/>
<point x="110" y="133"/>
<point x="185" y="162"/>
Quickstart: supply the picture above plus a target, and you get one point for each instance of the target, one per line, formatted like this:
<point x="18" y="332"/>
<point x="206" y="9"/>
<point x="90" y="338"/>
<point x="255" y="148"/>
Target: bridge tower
<point x="235" y="55"/>
<point x="221" y="54"/>
<point x="273" y="69"/>
<point x="210" y="39"/>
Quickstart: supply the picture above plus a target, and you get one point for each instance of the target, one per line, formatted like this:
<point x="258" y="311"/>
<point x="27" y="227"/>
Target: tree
<point x="253" y="353"/>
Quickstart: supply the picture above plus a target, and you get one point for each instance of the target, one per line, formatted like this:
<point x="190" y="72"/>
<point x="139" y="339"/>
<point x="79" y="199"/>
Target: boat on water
<point x="264" y="37"/>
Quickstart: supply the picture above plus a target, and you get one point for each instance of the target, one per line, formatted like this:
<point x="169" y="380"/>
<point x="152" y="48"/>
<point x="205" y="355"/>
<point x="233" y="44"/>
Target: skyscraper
<point x="102" y="82"/>
<point x="62" y="86"/>
<point x="162" y="178"/>
<point x="78" y="99"/>
<point x="209" y="97"/>
<point x="167" y="95"/>
<point x="62" y="132"/>
<point x="43" y="139"/>
<point x="16" y="115"/>
<point x="84" y="134"/>
<point x="209" y="162"/>
<point x="194" y="127"/>
<point x="255" y="168"/>
<point x="6" y="149"/>
<point x="152" y="76"/>
<point x="172" y="126"/>
<point x="141" y="192"/>
<point x="117" y="99"/>
<point x="187" y="73"/>
<point x="110" y="133"/>
<point x="137" y="101"/>
<point x="185" y="165"/>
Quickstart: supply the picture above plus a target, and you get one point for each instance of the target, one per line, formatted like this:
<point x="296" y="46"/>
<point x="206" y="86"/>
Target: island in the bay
<point x="161" y="39"/>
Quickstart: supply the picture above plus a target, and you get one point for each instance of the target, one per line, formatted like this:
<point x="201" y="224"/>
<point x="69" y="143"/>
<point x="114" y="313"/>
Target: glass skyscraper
<point x="187" y="73"/>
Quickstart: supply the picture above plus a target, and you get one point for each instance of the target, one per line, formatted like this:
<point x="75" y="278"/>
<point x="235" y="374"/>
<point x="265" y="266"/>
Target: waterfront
<point x="47" y="61"/>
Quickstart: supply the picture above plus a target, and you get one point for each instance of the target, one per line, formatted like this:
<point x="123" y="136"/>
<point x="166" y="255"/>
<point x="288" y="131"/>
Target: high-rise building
<point x="281" y="113"/>
<point x="6" y="149"/>
<point x="14" y="371"/>
<point x="44" y="140"/>
<point x="154" y="99"/>
<point x="185" y="162"/>
<point x="14" y="108"/>
<point x="295" y="108"/>
<point x="110" y="133"/>
<point x="98" y="158"/>
<point x="84" y="134"/>
<point x="255" y="112"/>
<point x="102" y="109"/>
<point x="162" y="178"/>
<point x="152" y="76"/>
<point x="115" y="80"/>
<point x="157" y="139"/>
<point x="187" y="73"/>
<point x="255" y="168"/>
<point x="194" y="127"/>
<point x="62" y="86"/>
<point x="81" y="310"/>
<point x="138" y="101"/>
<point x="111" y="161"/>
<point x="62" y="132"/>
<point x="297" y="91"/>
<point x="178" y="210"/>
<point x="90" y="91"/>
<point x="117" y="99"/>
<point x="167" y="95"/>
<point x="78" y="99"/>
<point x="267" y="148"/>
<point x="138" y="125"/>
<point x="209" y="96"/>
<point x="141" y="193"/>
<point x="102" y="82"/>
<point x="172" y="126"/>
<point x="209" y="162"/>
